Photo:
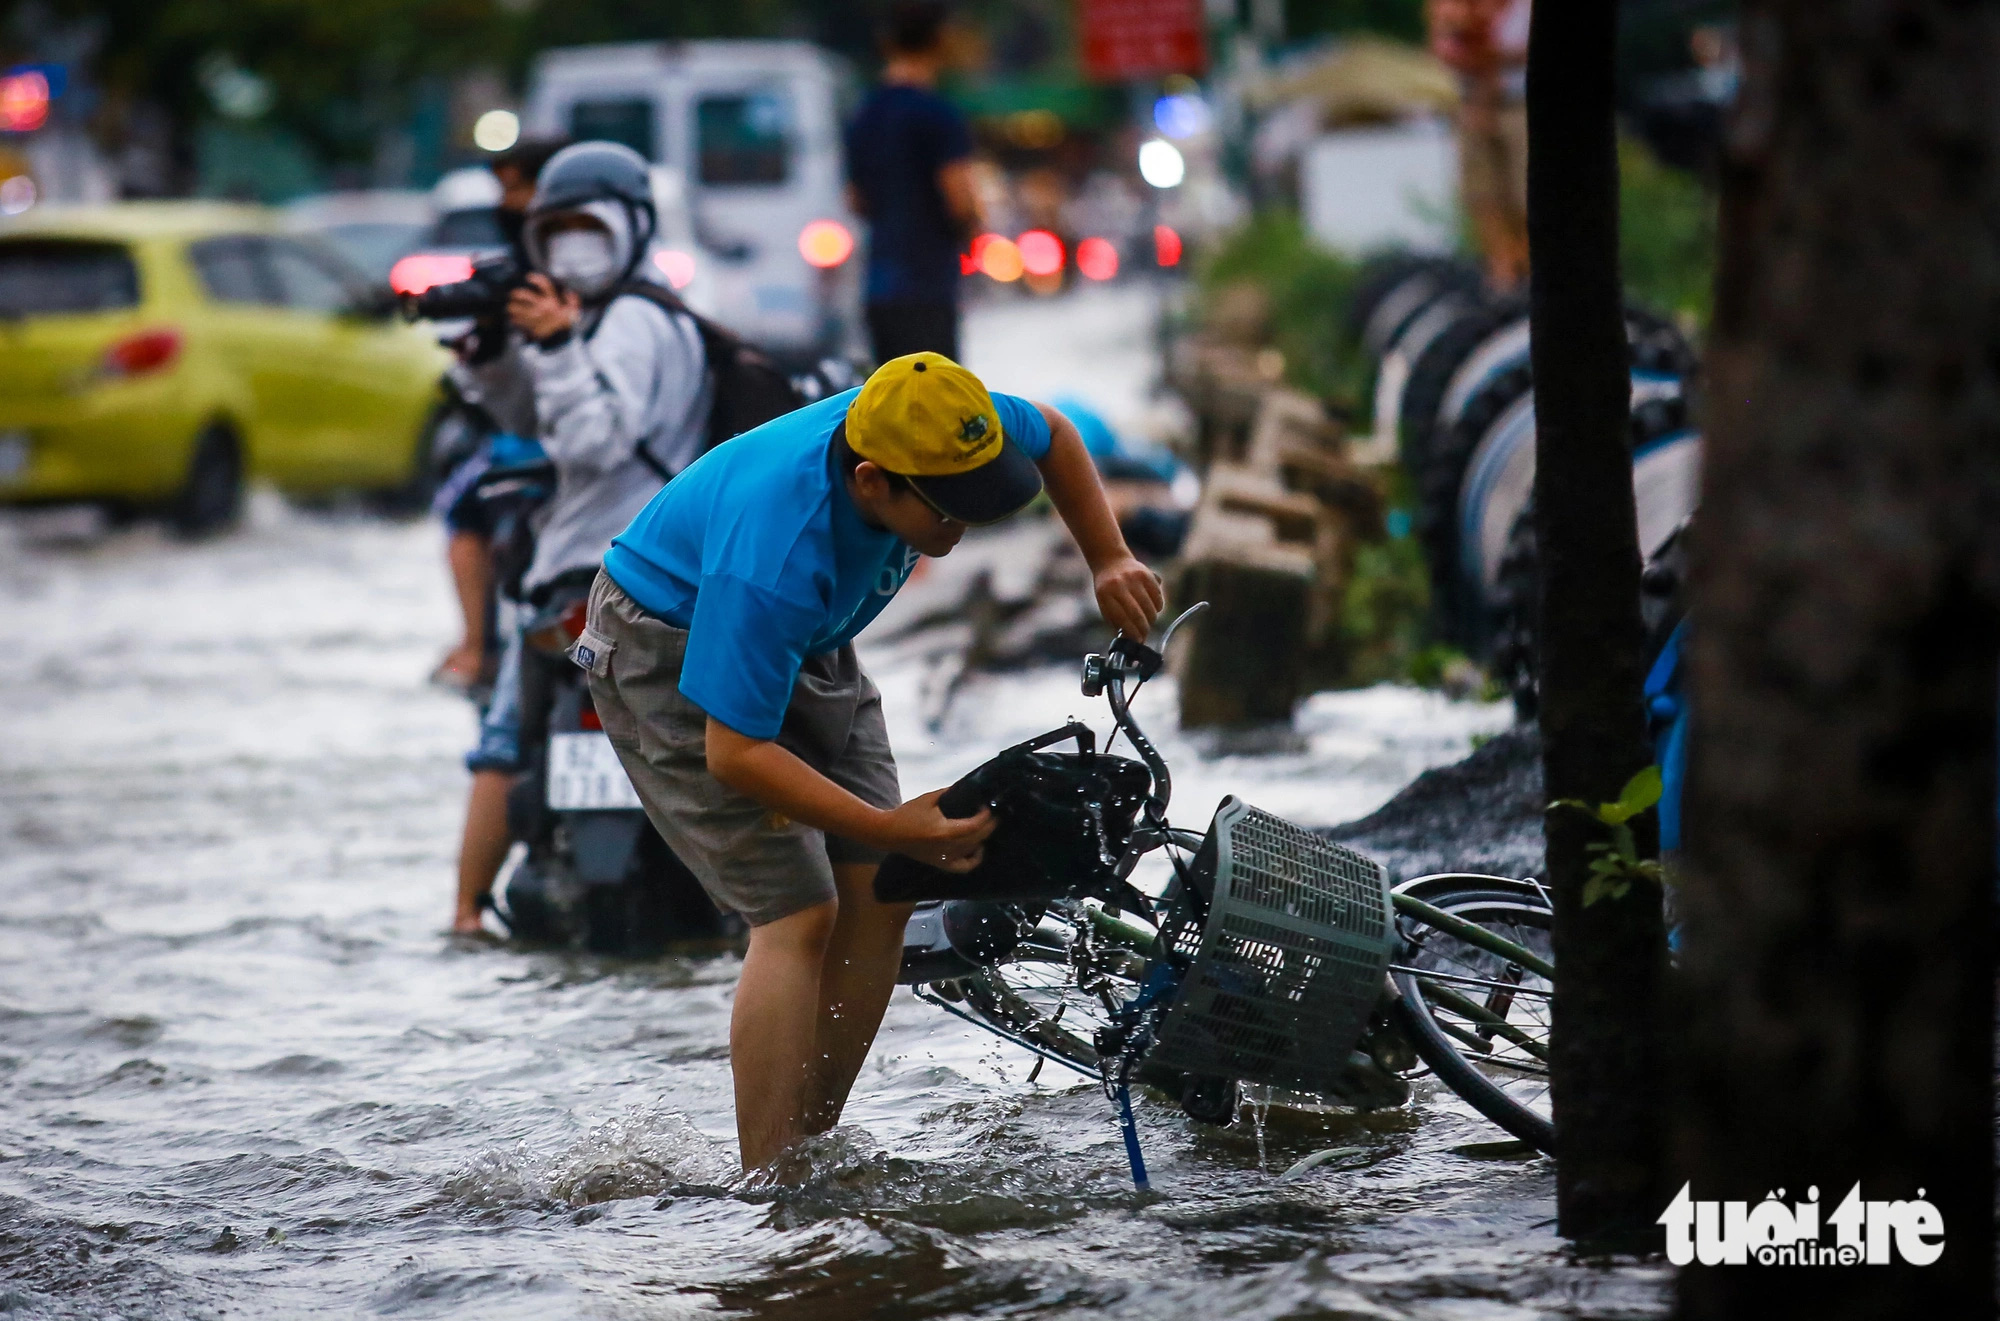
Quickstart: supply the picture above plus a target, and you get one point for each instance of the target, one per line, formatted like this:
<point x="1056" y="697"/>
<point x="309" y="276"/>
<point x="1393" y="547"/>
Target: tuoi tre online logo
<point x="1770" y="1233"/>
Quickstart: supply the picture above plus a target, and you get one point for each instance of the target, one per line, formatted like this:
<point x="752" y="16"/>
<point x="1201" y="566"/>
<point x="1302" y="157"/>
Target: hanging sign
<point x="1127" y="39"/>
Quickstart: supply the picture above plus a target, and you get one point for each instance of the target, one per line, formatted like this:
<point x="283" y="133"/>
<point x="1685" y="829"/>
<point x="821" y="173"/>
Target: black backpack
<point x="750" y="389"/>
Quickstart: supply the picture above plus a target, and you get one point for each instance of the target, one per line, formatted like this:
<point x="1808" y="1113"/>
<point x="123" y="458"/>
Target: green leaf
<point x="1640" y="792"/>
<point x="1604" y="887"/>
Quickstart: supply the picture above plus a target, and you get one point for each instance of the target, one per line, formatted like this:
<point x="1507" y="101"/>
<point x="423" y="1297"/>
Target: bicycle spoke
<point x="1432" y="974"/>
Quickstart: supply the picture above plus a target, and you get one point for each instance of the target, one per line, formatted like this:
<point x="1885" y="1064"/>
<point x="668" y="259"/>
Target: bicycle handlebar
<point x="1106" y="674"/>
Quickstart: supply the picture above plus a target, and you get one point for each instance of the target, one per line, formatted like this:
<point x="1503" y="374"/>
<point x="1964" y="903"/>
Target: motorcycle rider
<point x="616" y="389"/>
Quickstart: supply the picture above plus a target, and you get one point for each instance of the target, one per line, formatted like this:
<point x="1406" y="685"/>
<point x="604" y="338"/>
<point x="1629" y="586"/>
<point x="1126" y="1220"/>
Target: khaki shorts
<point x="750" y="859"/>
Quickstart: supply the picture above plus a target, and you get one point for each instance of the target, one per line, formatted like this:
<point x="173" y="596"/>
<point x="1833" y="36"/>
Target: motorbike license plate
<point x="585" y="775"/>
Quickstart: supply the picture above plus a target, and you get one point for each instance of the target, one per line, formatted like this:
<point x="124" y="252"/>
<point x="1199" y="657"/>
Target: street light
<point x="496" y="130"/>
<point x="1161" y="163"/>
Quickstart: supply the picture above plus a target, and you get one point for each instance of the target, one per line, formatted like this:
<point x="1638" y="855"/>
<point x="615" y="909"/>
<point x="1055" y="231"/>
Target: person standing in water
<point x="720" y="648"/>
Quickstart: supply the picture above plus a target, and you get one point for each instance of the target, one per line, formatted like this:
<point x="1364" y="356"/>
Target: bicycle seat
<point x="1064" y="819"/>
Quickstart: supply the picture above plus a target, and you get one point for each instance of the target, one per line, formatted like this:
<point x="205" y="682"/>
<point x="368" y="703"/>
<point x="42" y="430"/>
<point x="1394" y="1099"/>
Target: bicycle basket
<point x="1290" y="962"/>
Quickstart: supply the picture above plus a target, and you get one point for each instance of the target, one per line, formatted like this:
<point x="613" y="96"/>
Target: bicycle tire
<point x="1514" y="610"/>
<point x="1521" y="1112"/>
<point x="1433" y="370"/>
<point x="1459" y="615"/>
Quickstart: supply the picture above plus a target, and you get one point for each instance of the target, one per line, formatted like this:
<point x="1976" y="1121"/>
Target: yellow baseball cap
<point x="928" y="419"/>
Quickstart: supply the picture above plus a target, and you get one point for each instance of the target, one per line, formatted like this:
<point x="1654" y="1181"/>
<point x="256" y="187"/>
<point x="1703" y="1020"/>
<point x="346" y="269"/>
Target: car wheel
<point x="212" y="496"/>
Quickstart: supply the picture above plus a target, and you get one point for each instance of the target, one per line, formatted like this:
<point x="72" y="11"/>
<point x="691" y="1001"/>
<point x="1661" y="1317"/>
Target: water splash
<point x="1258" y="1098"/>
<point x="644" y="1152"/>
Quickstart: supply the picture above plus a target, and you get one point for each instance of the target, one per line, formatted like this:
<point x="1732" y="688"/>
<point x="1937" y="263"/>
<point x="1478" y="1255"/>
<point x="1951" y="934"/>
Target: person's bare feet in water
<point x="463" y="668"/>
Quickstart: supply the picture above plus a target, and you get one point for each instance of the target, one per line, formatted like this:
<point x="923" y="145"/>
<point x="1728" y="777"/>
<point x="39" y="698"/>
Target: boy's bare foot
<point x="462" y="668"/>
<point x="468" y="924"/>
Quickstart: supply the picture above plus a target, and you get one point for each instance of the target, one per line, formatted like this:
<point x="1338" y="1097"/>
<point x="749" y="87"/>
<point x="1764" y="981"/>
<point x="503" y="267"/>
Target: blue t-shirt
<point x="899" y="140"/>
<point x="758" y="552"/>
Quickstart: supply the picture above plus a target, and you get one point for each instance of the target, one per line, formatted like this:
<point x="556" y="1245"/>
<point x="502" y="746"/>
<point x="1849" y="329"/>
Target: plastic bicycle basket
<point x="1290" y="962"/>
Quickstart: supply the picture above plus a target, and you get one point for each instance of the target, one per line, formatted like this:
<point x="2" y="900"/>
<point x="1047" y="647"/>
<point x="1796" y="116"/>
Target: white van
<point x="754" y="129"/>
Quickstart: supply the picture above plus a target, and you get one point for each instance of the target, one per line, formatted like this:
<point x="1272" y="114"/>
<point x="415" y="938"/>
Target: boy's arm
<point x="769" y="773"/>
<point x="1128" y="593"/>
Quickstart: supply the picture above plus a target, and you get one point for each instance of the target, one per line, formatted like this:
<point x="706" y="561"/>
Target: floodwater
<point x="243" y="1072"/>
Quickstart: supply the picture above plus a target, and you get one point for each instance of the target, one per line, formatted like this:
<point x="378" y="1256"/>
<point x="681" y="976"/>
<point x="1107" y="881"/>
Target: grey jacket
<point x="631" y="375"/>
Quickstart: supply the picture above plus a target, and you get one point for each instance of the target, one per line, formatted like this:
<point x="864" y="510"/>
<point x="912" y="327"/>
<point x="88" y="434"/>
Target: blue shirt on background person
<point x="759" y="553"/>
<point x="898" y="141"/>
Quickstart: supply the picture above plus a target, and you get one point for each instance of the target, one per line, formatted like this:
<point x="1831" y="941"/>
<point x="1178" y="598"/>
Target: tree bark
<point x="1605" y="1044"/>
<point x="1838" y="895"/>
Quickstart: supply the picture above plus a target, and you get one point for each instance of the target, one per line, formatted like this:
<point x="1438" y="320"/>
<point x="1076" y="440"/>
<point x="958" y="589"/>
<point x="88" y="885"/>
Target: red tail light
<point x="147" y="351"/>
<point x="1166" y="245"/>
<point x="24" y="101"/>
<point x="825" y="244"/>
<point x="676" y="265"/>
<point x="1041" y="252"/>
<point x="998" y="256"/>
<point x="420" y="270"/>
<point x="1097" y="259"/>
<point x="587" y="718"/>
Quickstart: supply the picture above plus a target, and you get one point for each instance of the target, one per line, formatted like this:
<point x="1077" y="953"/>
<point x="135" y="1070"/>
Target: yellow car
<point x="156" y="355"/>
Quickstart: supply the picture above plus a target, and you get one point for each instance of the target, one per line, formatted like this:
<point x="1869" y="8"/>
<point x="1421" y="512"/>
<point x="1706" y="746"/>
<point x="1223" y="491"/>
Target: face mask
<point x="582" y="260"/>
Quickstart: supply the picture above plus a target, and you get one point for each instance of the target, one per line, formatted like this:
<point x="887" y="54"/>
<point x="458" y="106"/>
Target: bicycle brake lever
<point x="1137" y="657"/>
<point x="1180" y="619"/>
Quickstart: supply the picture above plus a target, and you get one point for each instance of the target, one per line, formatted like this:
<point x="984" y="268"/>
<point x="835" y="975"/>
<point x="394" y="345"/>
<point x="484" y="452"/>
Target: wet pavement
<point x="243" y="1071"/>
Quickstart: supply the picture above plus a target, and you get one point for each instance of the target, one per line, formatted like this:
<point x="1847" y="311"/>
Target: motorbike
<point x="593" y="872"/>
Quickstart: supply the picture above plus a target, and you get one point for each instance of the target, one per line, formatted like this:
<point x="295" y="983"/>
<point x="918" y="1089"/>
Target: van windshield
<point x="744" y="137"/>
<point x="629" y="121"/>
<point x="41" y="277"/>
<point x="473" y="227"/>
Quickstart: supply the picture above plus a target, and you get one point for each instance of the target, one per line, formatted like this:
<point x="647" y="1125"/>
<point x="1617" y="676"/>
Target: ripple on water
<point x="297" y="1066"/>
<point x="133" y="1077"/>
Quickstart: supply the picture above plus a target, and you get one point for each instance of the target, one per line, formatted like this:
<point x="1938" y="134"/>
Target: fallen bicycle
<point x="1268" y="956"/>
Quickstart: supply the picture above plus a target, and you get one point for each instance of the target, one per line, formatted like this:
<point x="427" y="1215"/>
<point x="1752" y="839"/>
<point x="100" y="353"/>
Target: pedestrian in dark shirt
<point x="909" y="172"/>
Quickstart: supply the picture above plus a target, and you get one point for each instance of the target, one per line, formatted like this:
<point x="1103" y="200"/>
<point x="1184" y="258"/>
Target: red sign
<point x="1125" y="39"/>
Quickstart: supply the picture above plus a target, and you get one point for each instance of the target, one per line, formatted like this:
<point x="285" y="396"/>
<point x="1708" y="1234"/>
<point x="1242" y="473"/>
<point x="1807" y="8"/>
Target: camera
<point x="482" y="295"/>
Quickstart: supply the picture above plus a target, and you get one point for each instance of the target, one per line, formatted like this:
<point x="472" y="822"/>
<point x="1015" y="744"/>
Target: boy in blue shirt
<point x="719" y="646"/>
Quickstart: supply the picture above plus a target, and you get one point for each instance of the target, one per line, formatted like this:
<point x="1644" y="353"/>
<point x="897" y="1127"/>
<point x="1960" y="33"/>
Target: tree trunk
<point x="1606" y="1051"/>
<point x="1839" y="880"/>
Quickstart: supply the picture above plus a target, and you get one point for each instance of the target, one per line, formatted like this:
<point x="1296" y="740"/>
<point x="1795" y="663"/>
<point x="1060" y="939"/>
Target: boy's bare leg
<point x="773" y="1030"/>
<point x="859" y="975"/>
<point x="484" y="846"/>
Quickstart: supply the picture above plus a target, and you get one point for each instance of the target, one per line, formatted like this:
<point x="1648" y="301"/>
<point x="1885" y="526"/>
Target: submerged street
<point x="243" y="1070"/>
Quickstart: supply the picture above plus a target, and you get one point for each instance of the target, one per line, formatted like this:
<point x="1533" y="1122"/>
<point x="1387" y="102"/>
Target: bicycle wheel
<point x="1060" y="984"/>
<point x="1478" y="1018"/>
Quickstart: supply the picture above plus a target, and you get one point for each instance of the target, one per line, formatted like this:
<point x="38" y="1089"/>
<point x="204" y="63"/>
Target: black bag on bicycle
<point x="1064" y="819"/>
